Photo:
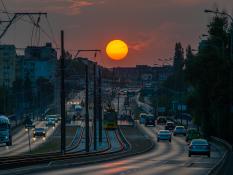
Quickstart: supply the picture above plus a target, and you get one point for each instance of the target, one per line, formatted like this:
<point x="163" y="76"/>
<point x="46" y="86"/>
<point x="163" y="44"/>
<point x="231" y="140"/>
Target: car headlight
<point x="6" y="137"/>
<point x="43" y="138"/>
<point x="34" y="138"/>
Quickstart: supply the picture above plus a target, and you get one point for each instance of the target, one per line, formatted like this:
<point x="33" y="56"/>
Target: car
<point x="179" y="130"/>
<point x="164" y="135"/>
<point x="199" y="147"/>
<point x="51" y="122"/>
<point x="150" y="120"/>
<point x="29" y="124"/>
<point x="142" y="118"/>
<point x="38" y="133"/>
<point x="192" y="133"/>
<point x="170" y="126"/>
<point x="55" y="117"/>
<point x="161" y="121"/>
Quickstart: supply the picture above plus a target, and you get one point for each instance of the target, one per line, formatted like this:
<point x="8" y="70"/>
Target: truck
<point x="5" y="131"/>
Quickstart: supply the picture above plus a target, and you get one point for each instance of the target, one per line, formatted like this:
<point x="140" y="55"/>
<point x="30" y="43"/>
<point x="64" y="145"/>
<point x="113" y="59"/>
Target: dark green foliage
<point x="208" y="73"/>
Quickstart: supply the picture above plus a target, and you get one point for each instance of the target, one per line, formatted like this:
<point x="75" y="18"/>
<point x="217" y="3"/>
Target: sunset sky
<point x="149" y="27"/>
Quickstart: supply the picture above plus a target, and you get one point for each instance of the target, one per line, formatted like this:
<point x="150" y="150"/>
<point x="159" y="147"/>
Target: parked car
<point x="192" y="133"/>
<point x="179" y="130"/>
<point x="170" y="126"/>
<point x="199" y="147"/>
<point x="150" y="120"/>
<point x="164" y="135"/>
<point x="161" y="121"/>
<point x="38" y="133"/>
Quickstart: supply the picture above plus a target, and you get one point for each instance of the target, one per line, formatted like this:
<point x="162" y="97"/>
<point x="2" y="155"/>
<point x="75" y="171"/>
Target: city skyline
<point x="151" y="28"/>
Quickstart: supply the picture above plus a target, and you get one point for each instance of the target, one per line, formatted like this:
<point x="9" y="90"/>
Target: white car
<point x="179" y="130"/>
<point x="164" y="135"/>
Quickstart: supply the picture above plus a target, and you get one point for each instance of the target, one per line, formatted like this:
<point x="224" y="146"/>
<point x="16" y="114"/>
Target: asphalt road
<point x="20" y="143"/>
<point x="165" y="159"/>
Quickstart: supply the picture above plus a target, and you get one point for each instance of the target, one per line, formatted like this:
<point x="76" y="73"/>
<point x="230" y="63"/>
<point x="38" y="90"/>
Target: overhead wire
<point x="4" y="6"/>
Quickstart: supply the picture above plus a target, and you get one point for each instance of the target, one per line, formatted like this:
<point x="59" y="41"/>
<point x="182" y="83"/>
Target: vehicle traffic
<point x="150" y="120"/>
<point x="29" y="124"/>
<point x="142" y="118"/>
<point x="5" y="131"/>
<point x="199" y="147"/>
<point x="170" y="126"/>
<point x="161" y="120"/>
<point x="39" y="133"/>
<point x="164" y="135"/>
<point x="51" y="122"/>
<point x="55" y="117"/>
<point x="179" y="130"/>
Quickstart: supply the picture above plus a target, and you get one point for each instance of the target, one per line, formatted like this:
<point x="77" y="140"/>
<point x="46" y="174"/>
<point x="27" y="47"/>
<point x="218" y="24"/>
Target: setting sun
<point x="117" y="49"/>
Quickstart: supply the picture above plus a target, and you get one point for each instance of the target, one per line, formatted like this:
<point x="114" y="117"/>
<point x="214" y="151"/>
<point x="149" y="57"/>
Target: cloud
<point x="67" y="7"/>
<point x="143" y="41"/>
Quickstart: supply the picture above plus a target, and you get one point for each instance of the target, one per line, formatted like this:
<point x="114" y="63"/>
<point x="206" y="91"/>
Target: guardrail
<point x="217" y="168"/>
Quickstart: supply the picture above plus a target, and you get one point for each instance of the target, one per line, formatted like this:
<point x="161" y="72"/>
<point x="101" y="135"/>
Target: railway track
<point x="28" y="160"/>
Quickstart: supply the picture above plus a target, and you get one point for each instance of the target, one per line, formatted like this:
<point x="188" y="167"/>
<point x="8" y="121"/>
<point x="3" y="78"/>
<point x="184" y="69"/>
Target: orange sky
<point x="149" y="27"/>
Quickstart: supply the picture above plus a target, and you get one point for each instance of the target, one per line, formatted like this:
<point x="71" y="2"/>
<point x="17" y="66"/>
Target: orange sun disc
<point x="117" y="49"/>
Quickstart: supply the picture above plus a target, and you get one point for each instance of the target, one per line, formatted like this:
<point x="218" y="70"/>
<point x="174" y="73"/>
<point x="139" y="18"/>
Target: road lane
<point x="20" y="141"/>
<point x="167" y="158"/>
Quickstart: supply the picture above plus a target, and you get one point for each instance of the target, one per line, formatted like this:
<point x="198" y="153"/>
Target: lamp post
<point x="231" y="57"/>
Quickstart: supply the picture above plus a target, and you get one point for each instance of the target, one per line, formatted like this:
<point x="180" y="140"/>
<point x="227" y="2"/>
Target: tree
<point x="208" y="73"/>
<point x="178" y="58"/>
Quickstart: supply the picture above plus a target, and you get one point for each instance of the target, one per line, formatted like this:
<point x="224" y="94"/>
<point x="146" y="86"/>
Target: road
<point x="20" y="141"/>
<point x="166" y="159"/>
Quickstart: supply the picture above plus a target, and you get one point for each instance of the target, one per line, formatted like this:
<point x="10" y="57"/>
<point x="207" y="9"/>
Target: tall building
<point x="7" y="65"/>
<point x="40" y="62"/>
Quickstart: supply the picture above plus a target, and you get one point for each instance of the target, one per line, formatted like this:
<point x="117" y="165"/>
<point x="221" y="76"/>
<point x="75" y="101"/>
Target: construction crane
<point x="17" y="16"/>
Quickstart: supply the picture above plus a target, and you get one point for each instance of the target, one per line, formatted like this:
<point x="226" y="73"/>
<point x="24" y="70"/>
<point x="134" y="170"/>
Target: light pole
<point x="231" y="57"/>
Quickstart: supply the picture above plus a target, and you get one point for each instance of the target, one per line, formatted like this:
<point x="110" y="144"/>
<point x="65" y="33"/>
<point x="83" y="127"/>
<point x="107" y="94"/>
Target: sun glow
<point x="117" y="49"/>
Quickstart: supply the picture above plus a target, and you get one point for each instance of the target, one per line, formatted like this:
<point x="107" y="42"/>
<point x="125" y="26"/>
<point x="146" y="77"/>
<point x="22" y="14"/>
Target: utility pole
<point x="87" y="111"/>
<point x="95" y="106"/>
<point x="62" y="95"/>
<point x="100" y="106"/>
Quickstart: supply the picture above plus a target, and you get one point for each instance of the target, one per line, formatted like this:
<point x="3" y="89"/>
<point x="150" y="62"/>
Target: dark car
<point x="170" y="126"/>
<point x="161" y="120"/>
<point x="199" y="147"/>
<point x="150" y="120"/>
<point x="29" y="124"/>
<point x="39" y="132"/>
<point x="51" y="122"/>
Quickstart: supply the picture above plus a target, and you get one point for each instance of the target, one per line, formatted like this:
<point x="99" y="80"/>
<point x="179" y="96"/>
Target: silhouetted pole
<point x="62" y="95"/>
<point x="95" y="107"/>
<point x="100" y="106"/>
<point x="87" y="112"/>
